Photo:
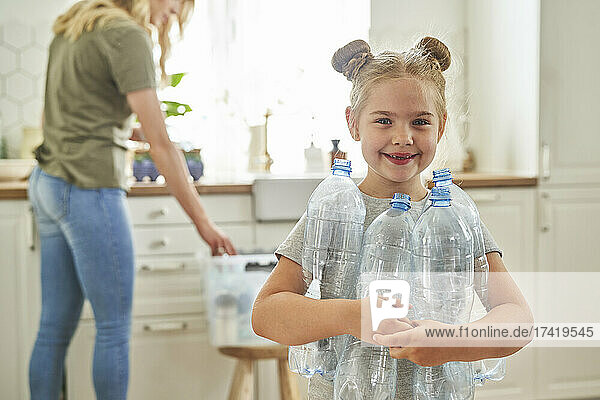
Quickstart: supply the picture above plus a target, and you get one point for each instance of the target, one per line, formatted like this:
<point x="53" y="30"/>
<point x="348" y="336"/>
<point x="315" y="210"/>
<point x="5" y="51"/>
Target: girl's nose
<point x="402" y="137"/>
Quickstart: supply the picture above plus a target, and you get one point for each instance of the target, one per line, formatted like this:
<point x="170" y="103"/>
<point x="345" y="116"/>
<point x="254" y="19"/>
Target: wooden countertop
<point x="18" y="189"/>
<point x="481" y="180"/>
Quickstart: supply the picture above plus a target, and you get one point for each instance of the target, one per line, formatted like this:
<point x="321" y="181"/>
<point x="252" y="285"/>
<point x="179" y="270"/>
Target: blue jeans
<point x="86" y="252"/>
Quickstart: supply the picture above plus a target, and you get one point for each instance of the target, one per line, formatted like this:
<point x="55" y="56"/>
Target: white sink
<point x="284" y="198"/>
<point x="280" y="199"/>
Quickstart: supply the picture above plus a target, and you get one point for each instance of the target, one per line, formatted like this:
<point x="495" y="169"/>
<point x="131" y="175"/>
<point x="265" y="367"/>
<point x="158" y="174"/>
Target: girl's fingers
<point x="398" y="339"/>
<point x="399" y="352"/>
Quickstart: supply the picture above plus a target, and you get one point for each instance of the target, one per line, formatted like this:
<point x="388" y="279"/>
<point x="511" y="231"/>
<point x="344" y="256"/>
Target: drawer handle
<point x="164" y="242"/>
<point x="166" y="327"/>
<point x="163" y="212"/>
<point x="161" y="268"/>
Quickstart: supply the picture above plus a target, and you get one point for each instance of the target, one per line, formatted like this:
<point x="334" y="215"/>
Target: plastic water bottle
<point x="333" y="235"/>
<point x="492" y="369"/>
<point x="495" y="368"/>
<point x="443" y="290"/>
<point x="368" y="372"/>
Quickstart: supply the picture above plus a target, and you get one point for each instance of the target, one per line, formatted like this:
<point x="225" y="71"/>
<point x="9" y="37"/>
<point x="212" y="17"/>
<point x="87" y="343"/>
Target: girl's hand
<point x="410" y="344"/>
<point x="218" y="242"/>
<point x="362" y="327"/>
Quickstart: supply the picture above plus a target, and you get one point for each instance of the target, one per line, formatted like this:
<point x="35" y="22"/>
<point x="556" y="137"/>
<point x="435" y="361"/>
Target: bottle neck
<point x="445" y="182"/>
<point x="341" y="172"/>
<point x="400" y="207"/>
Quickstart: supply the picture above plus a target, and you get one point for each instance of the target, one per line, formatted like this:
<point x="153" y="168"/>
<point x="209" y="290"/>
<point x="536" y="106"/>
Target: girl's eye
<point x="421" y="122"/>
<point x="384" y="121"/>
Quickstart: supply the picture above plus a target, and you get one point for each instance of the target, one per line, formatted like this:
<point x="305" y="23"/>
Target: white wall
<point x="25" y="33"/>
<point x="503" y="74"/>
<point x="400" y="24"/>
<point x="494" y="78"/>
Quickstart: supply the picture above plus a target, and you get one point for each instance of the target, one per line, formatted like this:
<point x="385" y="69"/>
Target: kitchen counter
<point x="18" y="189"/>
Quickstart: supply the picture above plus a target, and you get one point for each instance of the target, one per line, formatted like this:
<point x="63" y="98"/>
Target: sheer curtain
<point x="244" y="57"/>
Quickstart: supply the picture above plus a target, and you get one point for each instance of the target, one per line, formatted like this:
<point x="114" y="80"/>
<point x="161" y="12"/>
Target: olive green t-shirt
<point x="86" y="116"/>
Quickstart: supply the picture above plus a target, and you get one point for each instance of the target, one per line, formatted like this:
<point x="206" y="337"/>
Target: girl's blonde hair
<point x="425" y="61"/>
<point x="86" y="15"/>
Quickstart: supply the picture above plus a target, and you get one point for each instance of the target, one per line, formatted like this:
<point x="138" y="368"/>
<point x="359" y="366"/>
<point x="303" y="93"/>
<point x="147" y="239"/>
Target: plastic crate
<point x="231" y="285"/>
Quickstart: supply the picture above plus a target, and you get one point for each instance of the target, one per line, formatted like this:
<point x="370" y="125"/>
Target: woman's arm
<point x="283" y="314"/>
<point x="171" y="164"/>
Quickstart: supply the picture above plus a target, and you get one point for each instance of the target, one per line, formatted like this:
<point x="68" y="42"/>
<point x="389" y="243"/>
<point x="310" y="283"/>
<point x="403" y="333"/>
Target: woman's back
<point x="86" y="112"/>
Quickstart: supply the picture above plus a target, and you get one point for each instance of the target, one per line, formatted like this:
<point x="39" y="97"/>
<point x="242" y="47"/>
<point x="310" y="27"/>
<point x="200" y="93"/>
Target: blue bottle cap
<point x="440" y="193"/>
<point x="400" y="200"/>
<point x="442" y="175"/>
<point x="340" y="164"/>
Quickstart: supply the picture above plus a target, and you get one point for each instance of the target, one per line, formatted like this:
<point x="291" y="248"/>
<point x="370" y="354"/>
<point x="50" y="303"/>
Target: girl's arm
<point x="508" y="306"/>
<point x="282" y="313"/>
<point x="171" y="164"/>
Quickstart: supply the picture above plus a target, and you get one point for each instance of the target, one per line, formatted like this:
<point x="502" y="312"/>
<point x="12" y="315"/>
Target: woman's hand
<point x="137" y="135"/>
<point x="410" y="343"/>
<point x="218" y="242"/>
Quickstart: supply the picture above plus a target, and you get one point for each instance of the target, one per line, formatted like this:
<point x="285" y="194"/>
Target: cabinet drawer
<point x="168" y="286"/>
<point x="184" y="240"/>
<point x="167" y="240"/>
<point x="166" y="209"/>
<point x="165" y="291"/>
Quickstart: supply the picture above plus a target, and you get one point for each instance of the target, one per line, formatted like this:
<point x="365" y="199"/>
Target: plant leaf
<point x="173" y="108"/>
<point x="176" y="78"/>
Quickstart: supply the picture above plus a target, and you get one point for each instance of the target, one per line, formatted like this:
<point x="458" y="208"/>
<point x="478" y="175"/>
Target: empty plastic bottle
<point x="368" y="372"/>
<point x="442" y="290"/>
<point x="495" y="368"/>
<point x="491" y="369"/>
<point x="333" y="235"/>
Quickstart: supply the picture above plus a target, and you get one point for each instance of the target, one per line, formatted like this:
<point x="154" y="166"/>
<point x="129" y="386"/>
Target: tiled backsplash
<point x="23" y="60"/>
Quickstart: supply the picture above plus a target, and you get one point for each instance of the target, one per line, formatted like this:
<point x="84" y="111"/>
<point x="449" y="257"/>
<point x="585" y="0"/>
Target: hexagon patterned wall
<point x="23" y="60"/>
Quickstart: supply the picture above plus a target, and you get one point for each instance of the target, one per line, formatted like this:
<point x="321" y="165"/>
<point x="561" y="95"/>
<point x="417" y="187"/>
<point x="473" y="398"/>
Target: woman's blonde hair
<point x="425" y="61"/>
<point x="85" y="15"/>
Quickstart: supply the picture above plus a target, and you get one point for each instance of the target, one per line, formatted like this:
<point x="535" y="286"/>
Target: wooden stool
<point x="242" y="385"/>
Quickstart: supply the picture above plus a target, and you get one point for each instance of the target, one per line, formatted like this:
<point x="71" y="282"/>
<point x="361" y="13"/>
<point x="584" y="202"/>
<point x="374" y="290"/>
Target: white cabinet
<point x="19" y="296"/>
<point x="509" y="214"/>
<point x="568" y="241"/>
<point x="569" y="197"/>
<point x="569" y="83"/>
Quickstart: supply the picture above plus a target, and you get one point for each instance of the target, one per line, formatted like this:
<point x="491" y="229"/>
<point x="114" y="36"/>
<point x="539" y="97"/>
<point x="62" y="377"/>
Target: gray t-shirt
<point x="292" y="247"/>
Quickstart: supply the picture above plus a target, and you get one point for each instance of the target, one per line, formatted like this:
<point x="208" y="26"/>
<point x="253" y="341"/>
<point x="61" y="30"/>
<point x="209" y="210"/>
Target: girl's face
<point x="161" y="10"/>
<point x="398" y="129"/>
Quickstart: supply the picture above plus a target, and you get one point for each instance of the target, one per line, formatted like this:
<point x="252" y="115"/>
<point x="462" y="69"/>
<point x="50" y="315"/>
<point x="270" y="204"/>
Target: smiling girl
<point x="398" y="113"/>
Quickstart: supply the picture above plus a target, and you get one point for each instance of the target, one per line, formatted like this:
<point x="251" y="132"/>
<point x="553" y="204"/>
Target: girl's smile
<point x="400" y="158"/>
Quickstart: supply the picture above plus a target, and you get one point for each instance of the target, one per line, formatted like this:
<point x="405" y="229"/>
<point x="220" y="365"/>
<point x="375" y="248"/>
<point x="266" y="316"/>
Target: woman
<point x="100" y="69"/>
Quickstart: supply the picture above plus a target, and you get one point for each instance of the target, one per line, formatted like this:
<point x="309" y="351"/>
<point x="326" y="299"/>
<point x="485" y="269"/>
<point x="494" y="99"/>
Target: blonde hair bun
<point x="349" y="59"/>
<point x="437" y="50"/>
